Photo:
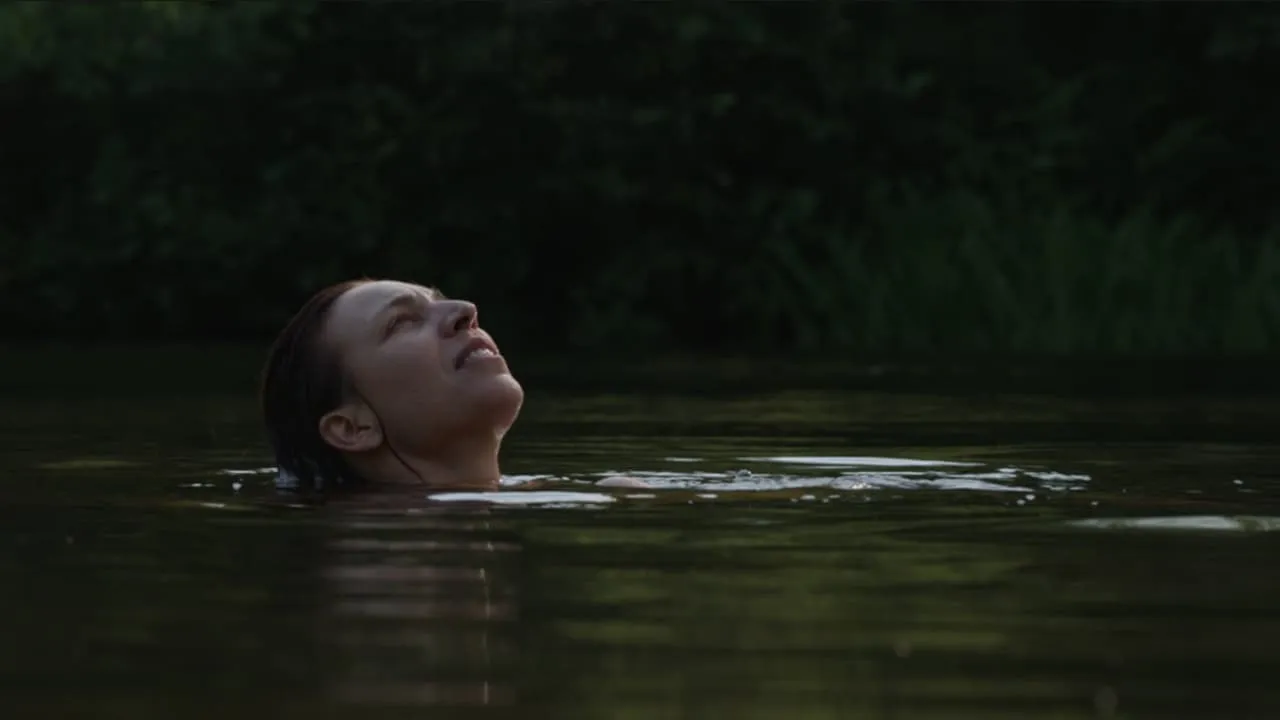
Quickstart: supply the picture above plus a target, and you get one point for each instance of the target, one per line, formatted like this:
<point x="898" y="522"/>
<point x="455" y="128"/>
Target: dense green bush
<point x="877" y="178"/>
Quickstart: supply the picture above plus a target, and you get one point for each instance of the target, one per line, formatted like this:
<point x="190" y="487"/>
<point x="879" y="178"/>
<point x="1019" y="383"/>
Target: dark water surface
<point x="812" y="550"/>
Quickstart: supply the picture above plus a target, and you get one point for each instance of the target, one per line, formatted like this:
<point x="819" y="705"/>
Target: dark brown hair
<point x="301" y="381"/>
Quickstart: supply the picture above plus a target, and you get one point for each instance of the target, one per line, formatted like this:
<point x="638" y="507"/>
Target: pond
<point x="817" y="545"/>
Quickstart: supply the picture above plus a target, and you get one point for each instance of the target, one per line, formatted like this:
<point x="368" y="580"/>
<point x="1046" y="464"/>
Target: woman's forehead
<point x="378" y="293"/>
<point x="364" y="303"/>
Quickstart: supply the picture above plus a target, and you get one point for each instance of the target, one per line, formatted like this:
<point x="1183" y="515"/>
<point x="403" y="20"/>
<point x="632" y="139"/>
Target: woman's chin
<point x="503" y="399"/>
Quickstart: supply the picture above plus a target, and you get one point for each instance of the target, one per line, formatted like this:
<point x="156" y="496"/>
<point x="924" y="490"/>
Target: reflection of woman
<point x="420" y="608"/>
<point x="390" y="384"/>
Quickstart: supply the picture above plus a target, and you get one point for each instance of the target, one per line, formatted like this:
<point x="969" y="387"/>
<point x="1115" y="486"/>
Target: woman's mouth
<point x="475" y="350"/>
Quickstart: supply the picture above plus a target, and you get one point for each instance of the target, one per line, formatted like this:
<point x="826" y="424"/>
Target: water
<point x="811" y="549"/>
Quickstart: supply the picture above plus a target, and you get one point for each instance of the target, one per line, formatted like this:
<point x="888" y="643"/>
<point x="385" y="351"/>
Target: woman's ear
<point x="351" y="428"/>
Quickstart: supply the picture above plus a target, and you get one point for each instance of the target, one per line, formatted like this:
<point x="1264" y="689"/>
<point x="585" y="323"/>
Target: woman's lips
<point x="476" y="348"/>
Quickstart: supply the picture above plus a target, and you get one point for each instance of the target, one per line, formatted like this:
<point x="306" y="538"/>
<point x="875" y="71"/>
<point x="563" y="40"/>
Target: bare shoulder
<point x="622" y="481"/>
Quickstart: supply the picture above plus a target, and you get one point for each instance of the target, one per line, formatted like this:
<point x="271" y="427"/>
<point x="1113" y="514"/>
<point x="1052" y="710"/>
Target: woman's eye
<point x="400" y="321"/>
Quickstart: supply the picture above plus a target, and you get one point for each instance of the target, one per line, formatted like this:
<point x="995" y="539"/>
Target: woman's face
<point x="423" y="365"/>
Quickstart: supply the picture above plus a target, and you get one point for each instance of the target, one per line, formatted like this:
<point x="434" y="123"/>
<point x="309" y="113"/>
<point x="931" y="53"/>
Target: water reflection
<point x="883" y="611"/>
<point x="812" y="555"/>
<point x="421" y="606"/>
<point x="774" y="611"/>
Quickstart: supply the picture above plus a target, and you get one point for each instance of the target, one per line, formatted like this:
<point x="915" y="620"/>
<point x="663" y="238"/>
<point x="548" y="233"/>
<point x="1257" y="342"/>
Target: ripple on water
<point x="860" y="473"/>
<point x="528" y="497"/>
<point x="1206" y="523"/>
<point x="820" y="477"/>
<point x="800" y="473"/>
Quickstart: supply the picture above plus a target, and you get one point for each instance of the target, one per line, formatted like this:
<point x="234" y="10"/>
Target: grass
<point x="955" y="273"/>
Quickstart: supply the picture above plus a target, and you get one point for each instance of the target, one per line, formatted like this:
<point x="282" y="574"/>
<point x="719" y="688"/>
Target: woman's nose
<point x="459" y="316"/>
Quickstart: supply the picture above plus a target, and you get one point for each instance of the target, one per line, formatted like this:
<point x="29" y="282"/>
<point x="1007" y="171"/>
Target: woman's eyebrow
<point x="410" y="299"/>
<point x="407" y="300"/>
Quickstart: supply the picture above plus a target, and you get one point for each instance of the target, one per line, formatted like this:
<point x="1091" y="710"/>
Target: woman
<point x="390" y="384"/>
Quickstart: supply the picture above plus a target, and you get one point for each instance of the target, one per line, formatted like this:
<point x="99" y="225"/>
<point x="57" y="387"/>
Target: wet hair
<point x="302" y="380"/>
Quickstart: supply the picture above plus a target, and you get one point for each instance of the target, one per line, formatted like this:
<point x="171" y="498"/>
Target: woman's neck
<point x="465" y="468"/>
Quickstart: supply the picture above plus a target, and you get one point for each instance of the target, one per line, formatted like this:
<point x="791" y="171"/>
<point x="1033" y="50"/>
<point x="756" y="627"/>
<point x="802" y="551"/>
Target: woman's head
<point x="371" y="379"/>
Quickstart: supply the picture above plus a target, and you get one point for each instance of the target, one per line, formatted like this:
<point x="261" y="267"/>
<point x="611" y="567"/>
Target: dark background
<point x="760" y="179"/>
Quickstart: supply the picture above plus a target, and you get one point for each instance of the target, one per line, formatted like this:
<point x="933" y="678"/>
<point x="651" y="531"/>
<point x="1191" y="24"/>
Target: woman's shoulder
<point x="622" y="481"/>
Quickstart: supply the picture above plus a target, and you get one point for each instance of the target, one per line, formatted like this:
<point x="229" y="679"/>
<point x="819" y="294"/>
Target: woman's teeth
<point x="478" y="352"/>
